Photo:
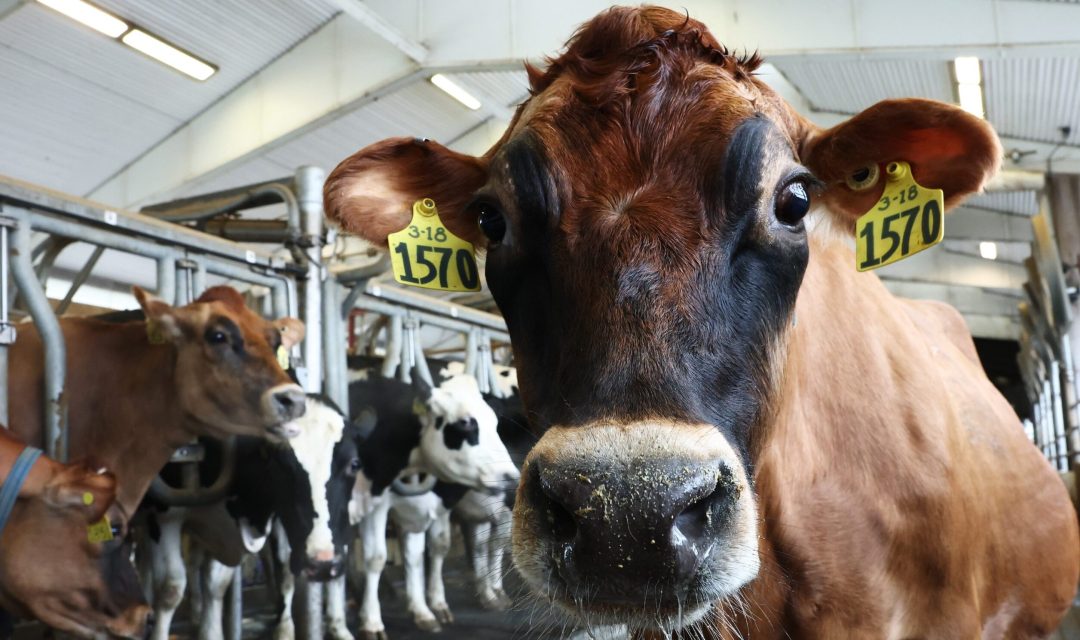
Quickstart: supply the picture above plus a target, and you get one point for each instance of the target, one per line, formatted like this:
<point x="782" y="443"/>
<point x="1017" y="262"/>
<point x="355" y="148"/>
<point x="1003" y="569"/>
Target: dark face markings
<point x="459" y="432"/>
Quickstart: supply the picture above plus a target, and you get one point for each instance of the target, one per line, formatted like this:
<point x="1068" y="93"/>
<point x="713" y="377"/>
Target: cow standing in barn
<point x="742" y="436"/>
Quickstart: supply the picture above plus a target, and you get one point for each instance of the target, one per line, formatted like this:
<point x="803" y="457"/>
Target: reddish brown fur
<point x="61" y="582"/>
<point x="898" y="494"/>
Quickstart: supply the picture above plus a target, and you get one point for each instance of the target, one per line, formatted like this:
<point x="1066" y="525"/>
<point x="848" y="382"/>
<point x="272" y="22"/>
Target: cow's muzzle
<point x="623" y="517"/>
<point x="324" y="570"/>
<point x="283" y="403"/>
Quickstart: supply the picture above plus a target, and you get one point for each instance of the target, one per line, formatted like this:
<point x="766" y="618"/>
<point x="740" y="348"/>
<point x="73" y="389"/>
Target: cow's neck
<point x="133" y="424"/>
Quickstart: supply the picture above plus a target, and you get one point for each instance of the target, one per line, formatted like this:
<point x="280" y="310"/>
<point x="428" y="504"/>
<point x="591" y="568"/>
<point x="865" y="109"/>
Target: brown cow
<point x="131" y="402"/>
<point x="742" y="436"/>
<point x="49" y="569"/>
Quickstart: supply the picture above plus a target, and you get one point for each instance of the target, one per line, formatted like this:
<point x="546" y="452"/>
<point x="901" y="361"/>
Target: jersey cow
<point x="742" y="435"/>
<point x="136" y="390"/>
<point x="71" y="583"/>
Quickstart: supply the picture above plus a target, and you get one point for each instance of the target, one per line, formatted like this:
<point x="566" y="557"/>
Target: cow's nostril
<point x="696" y="518"/>
<point x="289" y="403"/>
<point x="557" y="505"/>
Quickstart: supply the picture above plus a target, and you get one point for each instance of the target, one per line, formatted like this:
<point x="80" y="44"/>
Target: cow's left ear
<point x="947" y="148"/>
<point x="292" y="331"/>
<point x="372" y="192"/>
<point x="161" y="317"/>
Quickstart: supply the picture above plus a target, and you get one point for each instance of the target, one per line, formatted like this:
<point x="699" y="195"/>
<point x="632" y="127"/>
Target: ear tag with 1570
<point x="905" y="220"/>
<point x="425" y="253"/>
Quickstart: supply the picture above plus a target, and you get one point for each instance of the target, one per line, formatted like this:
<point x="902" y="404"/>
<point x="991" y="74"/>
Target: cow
<point x="742" y="436"/>
<point x="75" y="584"/>
<point x="305" y="483"/>
<point x="447" y="433"/>
<point x="137" y="390"/>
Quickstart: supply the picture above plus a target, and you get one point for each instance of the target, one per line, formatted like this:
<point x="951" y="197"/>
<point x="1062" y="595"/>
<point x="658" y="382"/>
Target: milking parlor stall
<point x="384" y="319"/>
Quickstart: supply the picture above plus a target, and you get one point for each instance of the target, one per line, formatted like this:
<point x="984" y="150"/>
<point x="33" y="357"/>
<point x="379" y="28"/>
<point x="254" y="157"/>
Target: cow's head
<point x="644" y="218"/>
<point x="227" y="373"/>
<point x="50" y="570"/>
<point x="459" y="438"/>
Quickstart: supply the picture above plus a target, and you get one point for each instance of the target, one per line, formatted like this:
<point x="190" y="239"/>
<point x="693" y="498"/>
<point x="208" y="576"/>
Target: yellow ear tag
<point x="154" y="334"/>
<point x="425" y="253"/>
<point x="87" y="498"/>
<point x="419" y="407"/>
<point x="283" y="357"/>
<point x="100" y="531"/>
<point x="907" y="219"/>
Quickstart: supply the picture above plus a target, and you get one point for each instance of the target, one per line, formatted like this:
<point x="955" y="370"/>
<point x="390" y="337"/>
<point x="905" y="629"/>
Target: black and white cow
<point x="305" y="483"/>
<point x="447" y="433"/>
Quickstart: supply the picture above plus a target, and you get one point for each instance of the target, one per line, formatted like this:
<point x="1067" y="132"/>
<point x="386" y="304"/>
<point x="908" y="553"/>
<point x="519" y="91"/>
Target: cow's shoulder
<point x="939" y="319"/>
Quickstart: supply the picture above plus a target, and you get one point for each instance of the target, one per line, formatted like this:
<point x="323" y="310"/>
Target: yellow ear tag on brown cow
<point x="907" y="219"/>
<point x="100" y="531"/>
<point x="154" y="334"/>
<point x="283" y="357"/>
<point x="425" y="253"/>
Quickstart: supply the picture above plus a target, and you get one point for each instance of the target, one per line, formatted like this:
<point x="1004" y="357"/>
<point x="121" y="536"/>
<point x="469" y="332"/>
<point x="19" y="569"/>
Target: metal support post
<point x="1060" y="455"/>
<point x="393" y="349"/>
<point x="166" y="278"/>
<point x="234" y="613"/>
<point x="309" y="185"/>
<point x="7" y="329"/>
<point x="52" y="338"/>
<point x="79" y="280"/>
<point x="336" y="382"/>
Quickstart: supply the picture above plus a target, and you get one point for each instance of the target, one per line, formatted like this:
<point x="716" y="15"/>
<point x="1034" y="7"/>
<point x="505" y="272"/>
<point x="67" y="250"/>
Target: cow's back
<point x="898" y="487"/>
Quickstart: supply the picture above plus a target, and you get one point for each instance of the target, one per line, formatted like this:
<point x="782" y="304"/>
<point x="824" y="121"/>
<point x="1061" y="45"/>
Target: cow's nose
<point x="288" y="403"/>
<point x="615" y="534"/>
<point x="322" y="570"/>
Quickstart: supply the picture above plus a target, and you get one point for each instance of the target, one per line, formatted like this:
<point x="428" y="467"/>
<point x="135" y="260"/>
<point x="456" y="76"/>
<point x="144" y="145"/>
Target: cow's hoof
<point x="428" y="624"/>
<point x="378" y="634"/>
<point x="490" y="601"/>
<point x="442" y="614"/>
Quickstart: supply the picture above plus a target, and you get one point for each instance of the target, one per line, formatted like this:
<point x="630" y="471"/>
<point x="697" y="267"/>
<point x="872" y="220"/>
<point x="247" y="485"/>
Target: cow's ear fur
<point x="371" y="193"/>
<point x="292" y="331"/>
<point x="947" y="148"/>
<point x="159" y="312"/>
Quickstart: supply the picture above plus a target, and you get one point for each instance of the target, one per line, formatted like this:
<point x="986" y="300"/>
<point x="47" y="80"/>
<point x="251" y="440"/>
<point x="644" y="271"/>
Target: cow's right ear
<point x="82" y="486"/>
<point x="160" y="315"/>
<point x="371" y="193"/>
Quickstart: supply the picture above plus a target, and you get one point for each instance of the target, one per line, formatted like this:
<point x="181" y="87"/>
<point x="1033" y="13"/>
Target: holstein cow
<point x="742" y="435"/>
<point x="71" y="583"/>
<point x="137" y="390"/>
<point x="447" y="432"/>
<point x="306" y="483"/>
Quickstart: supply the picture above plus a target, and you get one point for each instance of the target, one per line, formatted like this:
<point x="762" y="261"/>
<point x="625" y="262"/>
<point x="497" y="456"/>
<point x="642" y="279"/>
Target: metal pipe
<point x="203" y="495"/>
<point x="367" y="303"/>
<point x="210" y="205"/>
<point x="1059" y="414"/>
<point x="309" y="183"/>
<point x="421" y="360"/>
<point x="79" y="280"/>
<point x="234" y="618"/>
<point x="470" y="353"/>
<point x="52" y="338"/>
<point x="336" y="382"/>
<point x="434" y="305"/>
<point x="198" y="279"/>
<point x="393" y="349"/>
<point x="255" y="231"/>
<point x="7" y="330"/>
<point x="1072" y="414"/>
<point x="166" y="278"/>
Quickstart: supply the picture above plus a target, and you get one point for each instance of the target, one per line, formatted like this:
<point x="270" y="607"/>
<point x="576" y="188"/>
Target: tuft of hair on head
<point x="224" y="294"/>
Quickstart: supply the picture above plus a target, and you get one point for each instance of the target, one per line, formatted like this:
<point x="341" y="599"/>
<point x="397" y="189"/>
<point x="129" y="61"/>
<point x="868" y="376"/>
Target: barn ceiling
<point x="310" y="81"/>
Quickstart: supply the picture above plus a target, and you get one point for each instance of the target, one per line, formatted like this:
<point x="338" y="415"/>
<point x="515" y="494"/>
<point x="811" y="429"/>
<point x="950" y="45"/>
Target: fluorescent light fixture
<point x="167" y="54"/>
<point x="988" y="250"/>
<point x="967" y="70"/>
<point x="89" y="15"/>
<point x="455" y="91"/>
<point x="971" y="99"/>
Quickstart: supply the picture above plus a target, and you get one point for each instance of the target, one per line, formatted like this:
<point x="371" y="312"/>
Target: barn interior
<point x="178" y="145"/>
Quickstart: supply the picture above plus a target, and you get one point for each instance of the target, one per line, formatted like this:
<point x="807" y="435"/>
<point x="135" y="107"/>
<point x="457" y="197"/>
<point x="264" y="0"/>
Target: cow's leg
<point x="481" y="566"/>
<point x="413" y="549"/>
<point x="216" y="578"/>
<point x="373" y="535"/>
<point x="438" y="539"/>
<point x="286" y="628"/>
<point x="170" y="574"/>
<point x="335" y="610"/>
<point x="500" y="540"/>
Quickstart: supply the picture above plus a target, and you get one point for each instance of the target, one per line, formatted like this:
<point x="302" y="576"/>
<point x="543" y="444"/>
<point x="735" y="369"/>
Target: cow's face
<point x="50" y="570"/>
<point x="644" y="220"/>
<point x="459" y="439"/>
<point x="227" y="371"/>
<point x="317" y="523"/>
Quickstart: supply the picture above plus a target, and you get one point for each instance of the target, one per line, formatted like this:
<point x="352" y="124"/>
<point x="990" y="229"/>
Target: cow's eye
<point x="354" y="465"/>
<point x="792" y="203"/>
<point x="491" y="221"/>
<point x="214" y="336"/>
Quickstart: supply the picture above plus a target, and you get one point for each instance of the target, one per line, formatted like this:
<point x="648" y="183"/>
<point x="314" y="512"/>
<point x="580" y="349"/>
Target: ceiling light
<point x="967" y="70"/>
<point x="988" y="250"/>
<point x="968" y="74"/>
<point x="166" y="53"/>
<point x="89" y="15"/>
<point x="455" y="91"/>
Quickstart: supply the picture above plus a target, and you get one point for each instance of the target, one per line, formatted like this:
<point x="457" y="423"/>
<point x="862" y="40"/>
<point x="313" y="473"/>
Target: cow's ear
<point x="292" y="331"/>
<point x="83" y="486"/>
<point x="161" y="317"/>
<point x="371" y="193"/>
<point x="947" y="148"/>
